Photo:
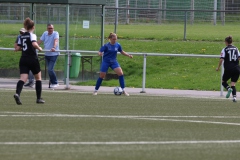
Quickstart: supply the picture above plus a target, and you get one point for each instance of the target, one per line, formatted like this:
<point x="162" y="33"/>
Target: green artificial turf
<point x="68" y="119"/>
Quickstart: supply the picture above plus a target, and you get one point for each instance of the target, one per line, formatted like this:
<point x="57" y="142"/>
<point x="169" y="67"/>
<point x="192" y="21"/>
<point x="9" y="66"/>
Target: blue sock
<point x="98" y="84"/>
<point x="121" y="81"/>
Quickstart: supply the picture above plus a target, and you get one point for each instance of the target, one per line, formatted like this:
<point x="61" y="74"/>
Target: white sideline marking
<point x="74" y="91"/>
<point x="106" y="116"/>
<point x="152" y="118"/>
<point x="123" y="143"/>
<point x="190" y="121"/>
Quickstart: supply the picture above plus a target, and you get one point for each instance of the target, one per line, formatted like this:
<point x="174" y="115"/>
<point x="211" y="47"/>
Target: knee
<point x="50" y="70"/>
<point x="23" y="79"/>
<point x="120" y="74"/>
<point x="102" y="75"/>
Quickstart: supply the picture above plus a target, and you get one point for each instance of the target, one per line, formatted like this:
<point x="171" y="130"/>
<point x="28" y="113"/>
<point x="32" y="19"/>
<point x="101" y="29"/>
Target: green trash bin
<point x="74" y="65"/>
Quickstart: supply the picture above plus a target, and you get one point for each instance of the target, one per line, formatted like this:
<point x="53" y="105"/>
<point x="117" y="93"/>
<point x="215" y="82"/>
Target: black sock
<point x="225" y="85"/>
<point x="19" y="87"/>
<point x="38" y="88"/>
<point x="234" y="91"/>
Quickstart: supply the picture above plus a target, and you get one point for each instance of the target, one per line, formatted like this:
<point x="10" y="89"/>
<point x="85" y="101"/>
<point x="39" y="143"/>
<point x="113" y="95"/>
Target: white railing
<point x="69" y="52"/>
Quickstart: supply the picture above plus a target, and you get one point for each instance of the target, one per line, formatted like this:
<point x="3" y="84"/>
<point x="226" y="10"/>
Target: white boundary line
<point x="123" y="143"/>
<point x="190" y="121"/>
<point x="74" y="91"/>
<point x="106" y="116"/>
<point x="152" y="118"/>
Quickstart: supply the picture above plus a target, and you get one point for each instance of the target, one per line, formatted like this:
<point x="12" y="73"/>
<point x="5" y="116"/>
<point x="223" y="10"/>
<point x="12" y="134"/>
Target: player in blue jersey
<point x="109" y="53"/>
<point x="230" y="55"/>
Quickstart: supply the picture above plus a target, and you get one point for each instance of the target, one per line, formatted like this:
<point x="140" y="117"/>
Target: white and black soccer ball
<point x="118" y="91"/>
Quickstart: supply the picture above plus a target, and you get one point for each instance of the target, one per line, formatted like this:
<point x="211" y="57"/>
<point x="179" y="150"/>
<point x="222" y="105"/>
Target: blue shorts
<point x="106" y="65"/>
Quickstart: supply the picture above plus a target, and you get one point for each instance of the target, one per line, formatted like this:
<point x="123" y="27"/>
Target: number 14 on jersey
<point x="232" y="55"/>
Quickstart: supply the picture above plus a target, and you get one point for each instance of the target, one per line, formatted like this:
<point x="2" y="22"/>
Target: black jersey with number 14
<point x="230" y="54"/>
<point x="25" y="41"/>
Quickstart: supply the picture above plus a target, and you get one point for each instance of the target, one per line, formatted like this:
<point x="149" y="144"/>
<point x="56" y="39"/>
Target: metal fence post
<point x="68" y="69"/>
<point x="144" y="73"/>
<point x="221" y="86"/>
<point x="116" y="17"/>
<point x="215" y="13"/>
<point x="185" y="27"/>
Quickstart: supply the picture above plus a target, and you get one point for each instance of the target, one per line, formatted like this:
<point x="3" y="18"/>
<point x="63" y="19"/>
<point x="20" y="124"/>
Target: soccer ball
<point x="117" y="91"/>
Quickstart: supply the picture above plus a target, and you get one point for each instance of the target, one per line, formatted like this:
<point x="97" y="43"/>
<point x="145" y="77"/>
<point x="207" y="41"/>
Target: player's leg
<point x="24" y="70"/>
<point x="234" y="79"/>
<point x="118" y="70"/>
<point x="38" y="77"/>
<point x="225" y="78"/>
<point x="234" y="91"/>
<point x="103" y="71"/>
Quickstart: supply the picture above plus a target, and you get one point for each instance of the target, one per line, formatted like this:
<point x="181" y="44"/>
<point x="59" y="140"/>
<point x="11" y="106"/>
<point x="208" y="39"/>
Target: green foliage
<point x="162" y="72"/>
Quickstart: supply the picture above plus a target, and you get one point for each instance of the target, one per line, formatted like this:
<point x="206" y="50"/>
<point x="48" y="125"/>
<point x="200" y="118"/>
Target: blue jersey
<point x="110" y="51"/>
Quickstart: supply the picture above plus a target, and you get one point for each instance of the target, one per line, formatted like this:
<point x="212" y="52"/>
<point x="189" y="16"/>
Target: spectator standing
<point x="50" y="38"/>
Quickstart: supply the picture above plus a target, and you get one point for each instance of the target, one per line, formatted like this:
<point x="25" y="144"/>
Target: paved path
<point x="6" y="83"/>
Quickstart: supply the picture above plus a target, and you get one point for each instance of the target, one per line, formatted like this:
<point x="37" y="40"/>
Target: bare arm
<point x="126" y="54"/>
<point x="219" y="64"/>
<point x="17" y="48"/>
<point x="100" y="53"/>
<point x="36" y="46"/>
<point x="55" y="43"/>
<point x="15" y="45"/>
<point x="39" y="42"/>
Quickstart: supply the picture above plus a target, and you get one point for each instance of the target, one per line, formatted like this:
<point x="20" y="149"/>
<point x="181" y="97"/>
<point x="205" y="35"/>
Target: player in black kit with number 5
<point x="230" y="55"/>
<point x="27" y="43"/>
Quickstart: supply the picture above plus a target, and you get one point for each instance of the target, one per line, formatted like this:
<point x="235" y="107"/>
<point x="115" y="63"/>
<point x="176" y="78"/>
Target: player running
<point x="27" y="43"/>
<point x="230" y="55"/>
<point x="109" y="53"/>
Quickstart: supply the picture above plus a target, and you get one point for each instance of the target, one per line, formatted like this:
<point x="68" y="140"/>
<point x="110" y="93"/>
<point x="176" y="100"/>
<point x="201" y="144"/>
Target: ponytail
<point x="28" y="23"/>
<point x="229" y="39"/>
<point x="111" y="35"/>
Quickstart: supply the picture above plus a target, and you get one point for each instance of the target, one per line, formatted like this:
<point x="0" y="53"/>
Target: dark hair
<point x="28" y="23"/>
<point x="229" y="39"/>
<point x="111" y="35"/>
<point x="49" y="24"/>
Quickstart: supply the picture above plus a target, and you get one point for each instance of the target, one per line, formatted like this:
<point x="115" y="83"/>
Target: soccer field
<point x="73" y="125"/>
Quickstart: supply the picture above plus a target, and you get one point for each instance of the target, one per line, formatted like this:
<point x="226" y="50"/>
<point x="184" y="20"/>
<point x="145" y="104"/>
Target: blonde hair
<point x="111" y="35"/>
<point x="28" y="23"/>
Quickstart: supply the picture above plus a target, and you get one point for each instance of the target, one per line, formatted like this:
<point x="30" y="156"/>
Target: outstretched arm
<point x="100" y="53"/>
<point x="55" y="43"/>
<point x="126" y="54"/>
<point x="17" y="48"/>
<point x="36" y="46"/>
<point x="39" y="42"/>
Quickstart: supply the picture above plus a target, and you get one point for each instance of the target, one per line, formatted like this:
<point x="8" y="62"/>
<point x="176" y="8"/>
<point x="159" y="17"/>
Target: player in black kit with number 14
<point x="230" y="55"/>
<point x="27" y="43"/>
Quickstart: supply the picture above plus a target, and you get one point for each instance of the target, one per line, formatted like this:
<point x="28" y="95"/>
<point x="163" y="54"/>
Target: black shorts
<point x="29" y="63"/>
<point x="233" y="74"/>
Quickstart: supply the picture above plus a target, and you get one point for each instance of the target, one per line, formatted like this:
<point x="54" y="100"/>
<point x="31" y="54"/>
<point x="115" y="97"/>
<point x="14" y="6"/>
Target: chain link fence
<point x="155" y="11"/>
<point x="170" y="11"/>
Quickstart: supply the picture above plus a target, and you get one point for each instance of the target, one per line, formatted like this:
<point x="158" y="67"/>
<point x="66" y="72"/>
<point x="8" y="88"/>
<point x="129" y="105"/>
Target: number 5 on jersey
<point x="24" y="45"/>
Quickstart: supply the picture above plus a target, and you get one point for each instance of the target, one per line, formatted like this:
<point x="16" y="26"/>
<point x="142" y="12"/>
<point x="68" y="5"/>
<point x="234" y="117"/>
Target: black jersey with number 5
<point x="230" y="54"/>
<point x="25" y="41"/>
